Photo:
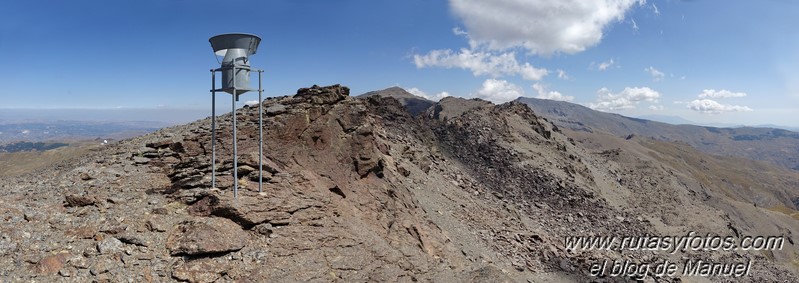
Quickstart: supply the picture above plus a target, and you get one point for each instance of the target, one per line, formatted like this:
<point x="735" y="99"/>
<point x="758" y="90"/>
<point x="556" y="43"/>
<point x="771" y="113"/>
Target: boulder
<point x="276" y="109"/>
<point x="206" y="235"/>
<point x="79" y="200"/>
<point x="51" y="264"/>
<point x="109" y="245"/>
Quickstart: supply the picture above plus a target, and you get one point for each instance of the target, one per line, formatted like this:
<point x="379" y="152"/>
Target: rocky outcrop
<point x="323" y="95"/>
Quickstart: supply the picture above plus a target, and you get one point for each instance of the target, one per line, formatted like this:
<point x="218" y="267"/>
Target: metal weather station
<point x="235" y="68"/>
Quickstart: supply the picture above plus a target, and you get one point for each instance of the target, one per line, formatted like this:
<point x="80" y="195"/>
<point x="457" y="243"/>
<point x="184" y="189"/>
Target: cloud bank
<point x="496" y="29"/>
<point x="539" y="26"/>
<point x="499" y="91"/>
<point x="709" y="106"/>
<point x="551" y="95"/>
<point x="712" y="93"/>
<point x="626" y="99"/>
<point x="420" y="93"/>
<point x="706" y="105"/>
<point x="480" y="63"/>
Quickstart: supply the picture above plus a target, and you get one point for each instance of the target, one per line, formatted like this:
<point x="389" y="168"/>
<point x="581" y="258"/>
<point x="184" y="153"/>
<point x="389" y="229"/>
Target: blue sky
<point x="725" y="62"/>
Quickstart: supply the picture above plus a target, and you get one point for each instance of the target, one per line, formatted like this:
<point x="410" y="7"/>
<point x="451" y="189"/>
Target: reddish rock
<point x="79" y="200"/>
<point x="51" y="264"/>
<point x="199" y="271"/>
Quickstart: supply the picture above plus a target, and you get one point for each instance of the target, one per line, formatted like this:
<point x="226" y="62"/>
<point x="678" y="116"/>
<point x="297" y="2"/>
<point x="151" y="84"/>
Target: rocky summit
<point x="362" y="190"/>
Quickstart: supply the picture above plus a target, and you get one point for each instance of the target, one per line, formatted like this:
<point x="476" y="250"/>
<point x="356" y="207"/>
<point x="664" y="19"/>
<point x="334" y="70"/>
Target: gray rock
<point x="264" y="229"/>
<point x="66" y="272"/>
<point x="145" y="149"/>
<point x="565" y="265"/>
<point x="140" y="160"/>
<point x="109" y="245"/>
<point x="276" y="109"/>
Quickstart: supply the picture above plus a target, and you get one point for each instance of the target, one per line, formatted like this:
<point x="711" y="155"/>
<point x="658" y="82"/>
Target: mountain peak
<point x="395" y="92"/>
<point x="414" y="104"/>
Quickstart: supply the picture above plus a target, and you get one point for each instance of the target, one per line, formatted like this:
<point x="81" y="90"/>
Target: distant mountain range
<point x="771" y="144"/>
<point x="768" y="144"/>
<point x="674" y="120"/>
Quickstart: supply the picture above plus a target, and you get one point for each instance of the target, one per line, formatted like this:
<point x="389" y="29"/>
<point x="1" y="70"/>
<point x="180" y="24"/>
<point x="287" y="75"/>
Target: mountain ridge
<point x="360" y="189"/>
<point x="766" y="144"/>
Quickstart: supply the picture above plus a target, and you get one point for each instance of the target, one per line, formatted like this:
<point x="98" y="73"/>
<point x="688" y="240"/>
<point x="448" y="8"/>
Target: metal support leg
<point x="213" y="129"/>
<point x="260" y="135"/>
<point x="235" y="149"/>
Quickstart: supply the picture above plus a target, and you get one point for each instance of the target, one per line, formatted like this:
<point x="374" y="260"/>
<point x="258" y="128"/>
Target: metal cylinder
<point x="236" y="80"/>
<point x="235" y="47"/>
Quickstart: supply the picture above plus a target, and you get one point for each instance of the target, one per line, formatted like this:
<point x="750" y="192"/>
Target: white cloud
<point x="606" y="65"/>
<point x="551" y="95"/>
<point x="499" y="91"/>
<point x="420" y="93"/>
<point x="709" y="106"/>
<point x="656" y="75"/>
<point x="626" y="99"/>
<point x="656" y="107"/>
<point x="712" y="93"/>
<point x="459" y="31"/>
<point x="25" y="132"/>
<point x="562" y="74"/>
<point x="417" y="92"/>
<point x="540" y="26"/>
<point x="635" y="25"/>
<point x="480" y="63"/>
<point x="655" y="9"/>
<point x="251" y="102"/>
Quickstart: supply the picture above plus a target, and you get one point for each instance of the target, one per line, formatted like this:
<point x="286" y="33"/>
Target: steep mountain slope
<point x="767" y="144"/>
<point x="361" y="190"/>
